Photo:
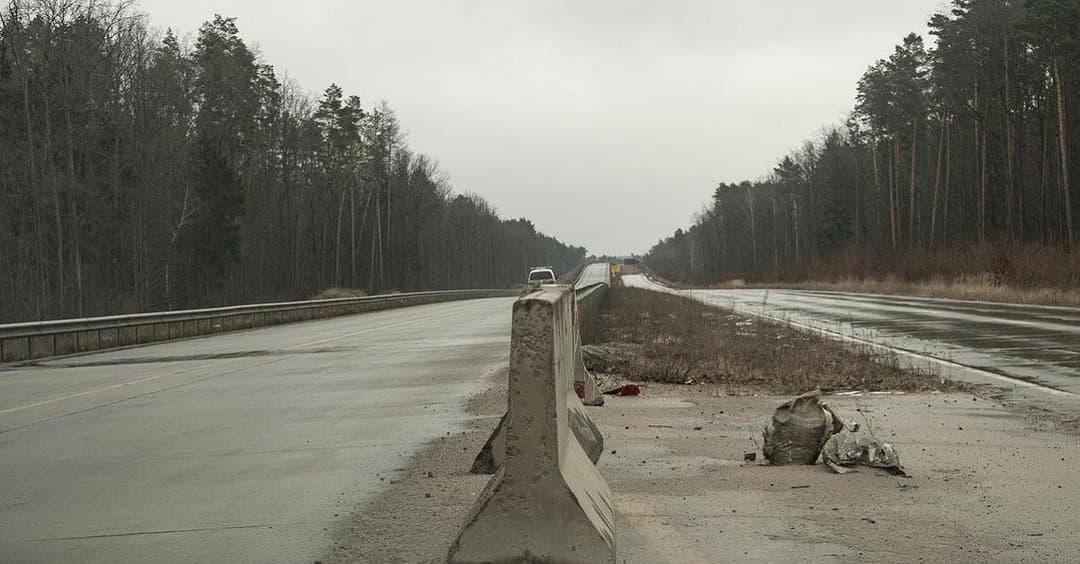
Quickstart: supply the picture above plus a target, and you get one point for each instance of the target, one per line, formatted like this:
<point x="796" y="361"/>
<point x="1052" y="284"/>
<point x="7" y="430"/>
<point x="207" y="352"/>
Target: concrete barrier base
<point x="574" y="524"/>
<point x="491" y="456"/>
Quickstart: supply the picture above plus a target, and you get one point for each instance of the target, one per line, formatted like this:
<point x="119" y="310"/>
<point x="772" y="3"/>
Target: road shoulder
<point x="418" y="516"/>
<point x="684" y="494"/>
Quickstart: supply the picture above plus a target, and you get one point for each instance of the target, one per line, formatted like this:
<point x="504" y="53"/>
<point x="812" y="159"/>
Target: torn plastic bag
<point x="798" y="429"/>
<point x="851" y="447"/>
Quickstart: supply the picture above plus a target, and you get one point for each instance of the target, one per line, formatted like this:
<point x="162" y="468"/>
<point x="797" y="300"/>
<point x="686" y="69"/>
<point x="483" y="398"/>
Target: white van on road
<point x="539" y="275"/>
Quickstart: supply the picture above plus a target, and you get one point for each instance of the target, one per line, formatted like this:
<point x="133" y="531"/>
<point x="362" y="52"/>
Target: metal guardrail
<point x="40" y="339"/>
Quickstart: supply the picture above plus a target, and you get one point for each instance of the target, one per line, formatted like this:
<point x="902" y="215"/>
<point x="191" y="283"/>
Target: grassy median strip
<point x="649" y="336"/>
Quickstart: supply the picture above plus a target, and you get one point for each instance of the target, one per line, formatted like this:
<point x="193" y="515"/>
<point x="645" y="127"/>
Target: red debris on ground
<point x="625" y="390"/>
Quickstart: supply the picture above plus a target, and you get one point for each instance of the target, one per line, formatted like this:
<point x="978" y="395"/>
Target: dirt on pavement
<point x="989" y="484"/>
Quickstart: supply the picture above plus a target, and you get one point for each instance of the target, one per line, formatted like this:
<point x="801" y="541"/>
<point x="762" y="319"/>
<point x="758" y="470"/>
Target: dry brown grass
<point x="981" y="287"/>
<point x="996" y="272"/>
<point x="335" y="293"/>
<point x="1032" y="274"/>
<point x="682" y="341"/>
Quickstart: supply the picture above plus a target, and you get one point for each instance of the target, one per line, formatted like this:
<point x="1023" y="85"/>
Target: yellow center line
<point x="153" y="377"/>
<point x="103" y="389"/>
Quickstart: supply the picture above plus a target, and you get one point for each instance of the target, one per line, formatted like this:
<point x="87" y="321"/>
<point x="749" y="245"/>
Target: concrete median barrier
<point x="590" y="301"/>
<point x="490" y="458"/>
<point x="587" y="304"/>
<point x="547" y="503"/>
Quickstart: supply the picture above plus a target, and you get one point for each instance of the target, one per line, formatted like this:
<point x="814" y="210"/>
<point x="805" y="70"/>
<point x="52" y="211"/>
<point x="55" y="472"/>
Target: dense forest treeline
<point x="969" y="144"/>
<point x="139" y="173"/>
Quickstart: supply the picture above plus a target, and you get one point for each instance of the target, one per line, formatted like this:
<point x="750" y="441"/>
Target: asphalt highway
<point x="251" y="446"/>
<point x="1033" y="352"/>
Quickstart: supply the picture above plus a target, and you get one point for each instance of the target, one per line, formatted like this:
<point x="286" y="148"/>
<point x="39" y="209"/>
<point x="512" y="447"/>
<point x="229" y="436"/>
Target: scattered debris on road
<point x="855" y="446"/>
<point x="798" y="429"/>
<point x="803" y="429"/>
<point x="624" y="390"/>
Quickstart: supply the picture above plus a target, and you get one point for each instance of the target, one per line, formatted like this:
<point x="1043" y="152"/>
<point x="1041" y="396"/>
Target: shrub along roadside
<point x="996" y="272"/>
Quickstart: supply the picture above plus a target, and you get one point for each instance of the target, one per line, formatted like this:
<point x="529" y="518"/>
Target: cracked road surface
<point x="252" y="446"/>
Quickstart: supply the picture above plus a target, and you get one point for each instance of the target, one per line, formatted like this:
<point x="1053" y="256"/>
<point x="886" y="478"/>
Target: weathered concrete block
<point x="548" y="503"/>
<point x="490" y="458"/>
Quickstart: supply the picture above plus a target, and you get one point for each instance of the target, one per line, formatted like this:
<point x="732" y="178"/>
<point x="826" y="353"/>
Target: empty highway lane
<point x="243" y="447"/>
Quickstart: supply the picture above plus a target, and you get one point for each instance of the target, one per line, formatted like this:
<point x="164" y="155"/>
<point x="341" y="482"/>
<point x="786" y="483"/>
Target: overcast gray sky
<point x="607" y="123"/>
